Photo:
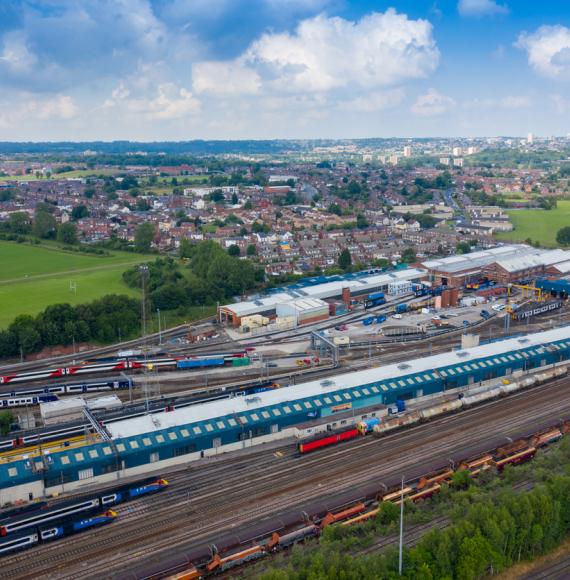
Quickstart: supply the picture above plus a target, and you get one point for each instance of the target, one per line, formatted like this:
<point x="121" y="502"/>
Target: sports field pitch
<point x="538" y="224"/>
<point x="32" y="278"/>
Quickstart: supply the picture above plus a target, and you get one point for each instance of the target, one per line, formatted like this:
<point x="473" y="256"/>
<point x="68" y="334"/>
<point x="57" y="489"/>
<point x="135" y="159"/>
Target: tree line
<point x="211" y="275"/>
<point x="108" y="319"/>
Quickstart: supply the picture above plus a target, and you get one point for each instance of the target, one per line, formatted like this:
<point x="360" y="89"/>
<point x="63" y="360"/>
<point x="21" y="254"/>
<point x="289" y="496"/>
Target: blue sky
<point x="234" y="69"/>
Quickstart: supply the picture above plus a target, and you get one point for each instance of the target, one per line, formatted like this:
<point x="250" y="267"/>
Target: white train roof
<point x="232" y="406"/>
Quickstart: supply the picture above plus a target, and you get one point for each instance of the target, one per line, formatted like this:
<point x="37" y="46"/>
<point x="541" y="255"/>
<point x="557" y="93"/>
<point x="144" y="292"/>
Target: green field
<point x="34" y="277"/>
<point x="66" y="174"/>
<point x="538" y="225"/>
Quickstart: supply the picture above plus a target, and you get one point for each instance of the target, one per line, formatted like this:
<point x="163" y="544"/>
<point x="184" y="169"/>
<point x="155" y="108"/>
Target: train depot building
<point x="142" y="444"/>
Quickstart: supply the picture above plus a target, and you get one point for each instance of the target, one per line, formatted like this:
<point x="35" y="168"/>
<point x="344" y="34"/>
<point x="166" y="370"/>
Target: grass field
<point x="34" y="277"/>
<point x="66" y="174"/>
<point x="538" y="225"/>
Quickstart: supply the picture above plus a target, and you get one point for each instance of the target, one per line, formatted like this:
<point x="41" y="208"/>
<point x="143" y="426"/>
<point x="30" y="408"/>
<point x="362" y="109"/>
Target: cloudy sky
<point x="240" y="69"/>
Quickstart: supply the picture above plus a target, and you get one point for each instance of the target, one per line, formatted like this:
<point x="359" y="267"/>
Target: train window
<point x="172" y="436"/>
<point x="120" y="447"/>
<point x="93" y="454"/>
<point x="185" y="432"/>
<point x="79" y="457"/>
<point x="146" y="441"/>
<point x="134" y="444"/>
<point x="107" y="451"/>
<point x="343" y="422"/>
<point x="13" y="471"/>
<point x="64" y="459"/>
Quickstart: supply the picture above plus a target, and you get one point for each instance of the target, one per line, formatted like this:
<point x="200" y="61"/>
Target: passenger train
<point x="118" y="364"/>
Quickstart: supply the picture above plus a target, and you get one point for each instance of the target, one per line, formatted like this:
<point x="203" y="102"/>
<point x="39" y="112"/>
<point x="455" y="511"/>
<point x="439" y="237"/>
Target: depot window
<point x="384" y="388"/>
<point x="172" y="436"/>
<point x="107" y="451"/>
<point x="79" y="457"/>
<point x="93" y="454"/>
<point x="298" y="407"/>
<point x="287" y="409"/>
<point x="146" y="441"/>
<point x="197" y="430"/>
<point x="12" y="471"/>
<point x="276" y="412"/>
<point x="410" y="381"/>
<point x="243" y="419"/>
<point x="185" y="433"/>
<point x="347" y="396"/>
<point x="65" y="460"/>
<point x="232" y="422"/>
<point x="318" y="403"/>
<point x="134" y="445"/>
<point x="337" y="398"/>
<point x="208" y="427"/>
<point x="356" y="394"/>
<point x="159" y="438"/>
<point x="367" y="392"/>
<point x="221" y="425"/>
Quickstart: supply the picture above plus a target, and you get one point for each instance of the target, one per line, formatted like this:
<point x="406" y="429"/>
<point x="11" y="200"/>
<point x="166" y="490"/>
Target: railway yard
<point x="220" y="423"/>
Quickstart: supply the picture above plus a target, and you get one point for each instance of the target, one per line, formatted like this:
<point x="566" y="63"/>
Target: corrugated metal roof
<point x="394" y="373"/>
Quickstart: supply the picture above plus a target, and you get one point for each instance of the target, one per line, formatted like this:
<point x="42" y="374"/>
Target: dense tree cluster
<point x="563" y="236"/>
<point x="105" y="320"/>
<point x="491" y="533"/>
<point x="212" y="275"/>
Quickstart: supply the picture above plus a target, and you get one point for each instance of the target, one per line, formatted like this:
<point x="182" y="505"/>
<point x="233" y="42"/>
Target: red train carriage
<point x="326" y="439"/>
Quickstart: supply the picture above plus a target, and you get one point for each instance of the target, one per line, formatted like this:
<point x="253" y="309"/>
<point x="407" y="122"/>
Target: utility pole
<point x="159" y="328"/>
<point x="143" y="269"/>
<point x="400" y="559"/>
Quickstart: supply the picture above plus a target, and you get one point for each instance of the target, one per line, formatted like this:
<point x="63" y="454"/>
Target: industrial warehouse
<point x="315" y="299"/>
<point x="176" y="436"/>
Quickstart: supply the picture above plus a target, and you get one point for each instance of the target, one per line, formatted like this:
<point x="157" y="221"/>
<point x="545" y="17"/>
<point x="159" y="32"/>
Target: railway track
<point x="231" y="492"/>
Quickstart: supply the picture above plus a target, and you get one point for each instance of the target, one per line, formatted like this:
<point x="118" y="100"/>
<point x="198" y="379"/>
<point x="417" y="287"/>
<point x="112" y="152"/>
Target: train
<point x="54" y="531"/>
<point x="106" y="384"/>
<point x="536" y="310"/>
<point x="33" y="526"/>
<point x="349" y="509"/>
<point x="466" y="401"/>
<point x="118" y="364"/>
<point x="10" y="402"/>
<point x="380" y="427"/>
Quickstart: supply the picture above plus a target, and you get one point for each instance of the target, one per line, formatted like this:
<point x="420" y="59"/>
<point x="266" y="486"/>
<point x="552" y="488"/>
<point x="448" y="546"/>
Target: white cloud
<point x="166" y="101"/>
<point x="224" y="78"/>
<point x="561" y="104"/>
<point x="16" y="55"/>
<point x="381" y="49"/>
<point x="510" y="102"/>
<point x="548" y="50"/>
<point x="59" y="107"/>
<point x="481" y="8"/>
<point x="432" y="104"/>
<point x="377" y="101"/>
